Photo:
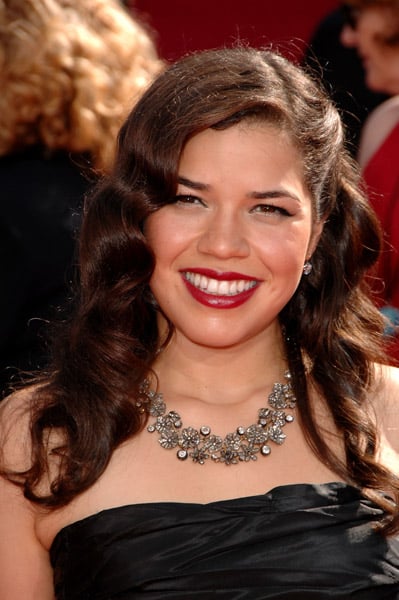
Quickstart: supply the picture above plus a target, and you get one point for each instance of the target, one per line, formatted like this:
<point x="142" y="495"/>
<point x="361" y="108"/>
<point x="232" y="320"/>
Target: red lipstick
<point x="219" y="301"/>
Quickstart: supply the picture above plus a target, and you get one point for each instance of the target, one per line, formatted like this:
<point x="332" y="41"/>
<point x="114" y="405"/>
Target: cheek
<point x="166" y="234"/>
<point x="378" y="77"/>
<point x="157" y="238"/>
<point x="158" y="235"/>
<point x="161" y="280"/>
<point x="153" y="227"/>
<point x="391" y="69"/>
<point x="287" y="250"/>
<point x="290" y="267"/>
<point x="161" y="285"/>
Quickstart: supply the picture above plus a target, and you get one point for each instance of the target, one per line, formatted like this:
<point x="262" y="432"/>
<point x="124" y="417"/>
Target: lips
<point x="219" y="290"/>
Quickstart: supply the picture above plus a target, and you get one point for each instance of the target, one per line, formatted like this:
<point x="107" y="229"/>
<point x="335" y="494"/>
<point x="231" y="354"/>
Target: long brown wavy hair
<point x="109" y="345"/>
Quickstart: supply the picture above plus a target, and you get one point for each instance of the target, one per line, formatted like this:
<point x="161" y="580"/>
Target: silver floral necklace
<point x="201" y="444"/>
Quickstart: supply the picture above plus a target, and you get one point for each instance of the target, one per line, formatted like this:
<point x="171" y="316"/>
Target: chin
<point x="216" y="342"/>
<point x="376" y="85"/>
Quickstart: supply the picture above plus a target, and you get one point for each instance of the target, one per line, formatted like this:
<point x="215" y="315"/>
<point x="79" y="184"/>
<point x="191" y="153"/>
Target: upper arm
<point x="25" y="568"/>
<point x="387" y="417"/>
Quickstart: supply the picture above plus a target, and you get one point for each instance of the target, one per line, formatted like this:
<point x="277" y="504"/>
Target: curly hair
<point x="69" y="73"/>
<point x="332" y="328"/>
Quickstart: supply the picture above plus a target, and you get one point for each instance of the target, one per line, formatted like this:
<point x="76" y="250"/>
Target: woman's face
<point x="371" y="24"/>
<point x="229" y="251"/>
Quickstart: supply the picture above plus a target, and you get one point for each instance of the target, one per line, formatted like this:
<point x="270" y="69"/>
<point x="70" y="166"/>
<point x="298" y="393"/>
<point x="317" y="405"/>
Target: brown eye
<point x="270" y="209"/>
<point x="187" y="199"/>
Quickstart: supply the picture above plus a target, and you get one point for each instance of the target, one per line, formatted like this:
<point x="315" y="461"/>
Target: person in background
<point x="218" y="420"/>
<point x="372" y="28"/>
<point x="68" y="73"/>
<point x="342" y="74"/>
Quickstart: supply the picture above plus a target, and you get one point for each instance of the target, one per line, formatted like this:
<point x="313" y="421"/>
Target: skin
<point x="221" y="362"/>
<point x="241" y="207"/>
<point x="380" y="61"/>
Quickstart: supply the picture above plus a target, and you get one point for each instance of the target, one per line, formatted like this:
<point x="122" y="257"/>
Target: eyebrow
<point x="194" y="185"/>
<point x="273" y="194"/>
<point x="267" y="195"/>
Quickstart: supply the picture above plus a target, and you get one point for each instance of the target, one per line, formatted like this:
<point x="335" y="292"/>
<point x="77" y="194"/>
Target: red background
<point x="185" y="25"/>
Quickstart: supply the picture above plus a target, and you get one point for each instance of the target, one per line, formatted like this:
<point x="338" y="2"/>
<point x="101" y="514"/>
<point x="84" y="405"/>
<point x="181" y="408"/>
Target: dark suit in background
<point x="41" y="198"/>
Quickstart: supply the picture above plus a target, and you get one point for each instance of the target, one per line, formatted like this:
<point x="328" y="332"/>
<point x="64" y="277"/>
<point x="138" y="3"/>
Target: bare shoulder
<point x="15" y="419"/>
<point x="385" y="401"/>
<point x="386" y="389"/>
<point x="24" y="562"/>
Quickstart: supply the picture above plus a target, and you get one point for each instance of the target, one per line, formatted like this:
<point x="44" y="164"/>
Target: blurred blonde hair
<point x="70" y="71"/>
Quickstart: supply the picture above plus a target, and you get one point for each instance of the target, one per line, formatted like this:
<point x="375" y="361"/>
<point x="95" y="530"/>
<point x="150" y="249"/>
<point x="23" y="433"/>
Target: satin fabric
<point x="299" y="541"/>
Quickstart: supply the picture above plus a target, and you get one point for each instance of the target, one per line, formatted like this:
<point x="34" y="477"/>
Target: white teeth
<point x="213" y="286"/>
<point x="233" y="287"/>
<point x="216" y="287"/>
<point x="224" y="288"/>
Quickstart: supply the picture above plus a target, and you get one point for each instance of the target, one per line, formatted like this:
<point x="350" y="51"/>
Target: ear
<point x="317" y="230"/>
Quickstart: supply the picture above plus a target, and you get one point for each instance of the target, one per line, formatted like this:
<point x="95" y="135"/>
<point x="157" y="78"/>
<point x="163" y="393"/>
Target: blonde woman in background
<point x="68" y="73"/>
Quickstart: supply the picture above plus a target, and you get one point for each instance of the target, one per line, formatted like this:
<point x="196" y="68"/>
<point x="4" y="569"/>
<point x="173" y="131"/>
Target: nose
<point x="348" y="36"/>
<point x="224" y="237"/>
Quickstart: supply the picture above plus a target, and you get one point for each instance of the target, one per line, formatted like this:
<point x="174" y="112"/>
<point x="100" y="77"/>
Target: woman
<point x="69" y="72"/>
<point x="342" y="74"/>
<point x="218" y="419"/>
<point x="372" y="27"/>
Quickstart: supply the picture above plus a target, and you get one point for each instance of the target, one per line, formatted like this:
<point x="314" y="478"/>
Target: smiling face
<point x="229" y="251"/>
<point x="371" y="25"/>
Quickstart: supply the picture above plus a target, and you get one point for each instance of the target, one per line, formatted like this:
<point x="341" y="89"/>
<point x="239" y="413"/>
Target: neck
<point x="232" y="373"/>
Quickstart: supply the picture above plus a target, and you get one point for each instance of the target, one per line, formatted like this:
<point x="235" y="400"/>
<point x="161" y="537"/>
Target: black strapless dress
<point x="296" y="542"/>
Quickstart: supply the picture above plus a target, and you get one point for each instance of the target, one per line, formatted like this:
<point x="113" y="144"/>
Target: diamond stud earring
<point x="307" y="268"/>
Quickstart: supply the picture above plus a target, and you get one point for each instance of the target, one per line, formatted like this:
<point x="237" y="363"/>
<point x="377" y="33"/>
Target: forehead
<point x="261" y="139"/>
<point x="242" y="156"/>
<point x="249" y="131"/>
<point x="380" y="10"/>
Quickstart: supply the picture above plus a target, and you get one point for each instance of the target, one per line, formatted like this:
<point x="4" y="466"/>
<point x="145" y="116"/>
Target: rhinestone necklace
<point x="201" y="444"/>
